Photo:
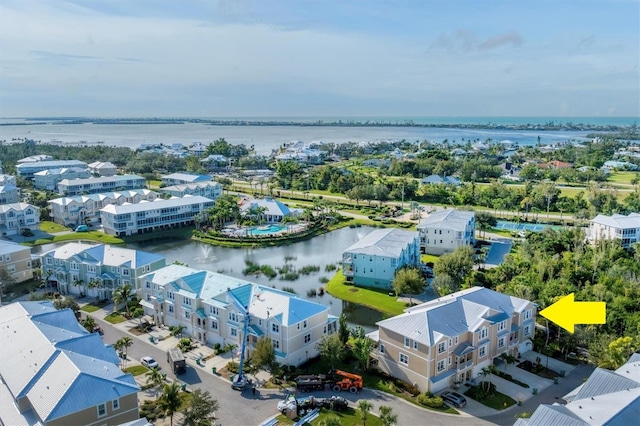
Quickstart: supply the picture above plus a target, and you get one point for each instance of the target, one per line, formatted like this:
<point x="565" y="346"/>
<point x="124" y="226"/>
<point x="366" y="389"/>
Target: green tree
<point x="264" y="355"/>
<point x="444" y="284"/>
<point x="201" y="409"/>
<point x="169" y="400"/>
<point x="408" y="280"/>
<point x="343" y="329"/>
<point x="65" y="303"/>
<point x="154" y="378"/>
<point x="127" y="342"/>
<point x="387" y="417"/>
<point x="457" y="264"/>
<point x="361" y="348"/>
<point x="89" y="323"/>
<point x="331" y="349"/>
<point x="364" y="407"/>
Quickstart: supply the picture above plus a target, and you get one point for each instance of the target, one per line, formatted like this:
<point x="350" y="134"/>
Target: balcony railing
<point x="464" y="365"/>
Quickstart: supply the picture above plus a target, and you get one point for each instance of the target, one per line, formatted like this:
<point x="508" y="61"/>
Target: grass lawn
<point x="48" y="226"/>
<point x="115" y="318"/>
<point x="380" y="301"/>
<point x="425" y="258"/>
<point x="154" y="184"/>
<point x="349" y="417"/>
<point x="136" y="370"/>
<point x="98" y="236"/>
<point x="622" y="177"/>
<point x="498" y="401"/>
<point x="89" y="308"/>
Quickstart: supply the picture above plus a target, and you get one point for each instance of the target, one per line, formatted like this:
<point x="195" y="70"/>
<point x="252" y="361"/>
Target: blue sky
<point x="212" y="58"/>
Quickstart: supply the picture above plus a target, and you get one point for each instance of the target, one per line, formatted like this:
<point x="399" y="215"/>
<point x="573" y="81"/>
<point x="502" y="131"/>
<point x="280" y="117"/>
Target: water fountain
<point x="206" y="257"/>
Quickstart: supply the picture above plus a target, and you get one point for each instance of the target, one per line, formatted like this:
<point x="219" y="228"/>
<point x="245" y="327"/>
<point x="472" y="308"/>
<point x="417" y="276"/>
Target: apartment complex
<point x="48" y="180"/>
<point x="183" y="178"/>
<point x="56" y="373"/>
<point x="605" y="398"/>
<point x="73" y="211"/>
<point x="16" y="259"/>
<point x="374" y="260"/>
<point x="9" y="194"/>
<point x="96" y="269"/>
<point x="7" y="180"/>
<point x="211" y="308"/>
<point x="626" y="229"/>
<point x="449" y="340"/>
<point x="15" y="217"/>
<point x="96" y="185"/>
<point x="150" y="216"/>
<point x="209" y="189"/>
<point x="446" y="230"/>
<point x="28" y="170"/>
<point x="100" y="168"/>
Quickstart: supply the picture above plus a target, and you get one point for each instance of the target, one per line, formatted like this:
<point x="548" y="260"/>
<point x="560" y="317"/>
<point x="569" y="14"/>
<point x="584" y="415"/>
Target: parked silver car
<point x="454" y="398"/>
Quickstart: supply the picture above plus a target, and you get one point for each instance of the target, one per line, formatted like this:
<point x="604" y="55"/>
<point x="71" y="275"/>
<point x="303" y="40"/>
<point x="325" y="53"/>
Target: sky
<point x="301" y="58"/>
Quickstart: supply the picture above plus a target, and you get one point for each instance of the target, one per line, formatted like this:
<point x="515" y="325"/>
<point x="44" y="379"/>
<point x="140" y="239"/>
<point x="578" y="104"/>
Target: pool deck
<point x="243" y="231"/>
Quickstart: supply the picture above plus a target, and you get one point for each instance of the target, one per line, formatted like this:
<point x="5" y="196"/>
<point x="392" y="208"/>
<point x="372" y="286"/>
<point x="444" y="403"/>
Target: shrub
<point x="413" y="390"/>
<point x="320" y="291"/>
<point x="430" y="400"/>
<point x="289" y="289"/>
<point x="312" y="292"/>
<point x="481" y="391"/>
<point x="330" y="267"/>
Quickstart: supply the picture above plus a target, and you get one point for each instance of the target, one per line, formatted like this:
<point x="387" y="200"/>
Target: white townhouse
<point x="56" y="373"/>
<point x="73" y="211"/>
<point x="183" y="178"/>
<point x="103" y="168"/>
<point x="27" y="170"/>
<point x="9" y="194"/>
<point x="145" y="217"/>
<point x="95" y="185"/>
<point x="7" y="180"/>
<point x="267" y="209"/>
<point x="211" y="307"/>
<point x="448" y="341"/>
<point x="446" y="230"/>
<point x="17" y="216"/>
<point x="16" y="259"/>
<point x="209" y="189"/>
<point x="616" y="227"/>
<point x="48" y="180"/>
<point x="96" y="269"/>
<point x="374" y="260"/>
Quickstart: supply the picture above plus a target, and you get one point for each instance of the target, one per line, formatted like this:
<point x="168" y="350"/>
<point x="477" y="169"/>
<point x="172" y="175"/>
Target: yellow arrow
<point x="567" y="313"/>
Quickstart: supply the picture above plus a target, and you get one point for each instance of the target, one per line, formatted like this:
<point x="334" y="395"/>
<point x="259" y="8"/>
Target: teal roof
<point x="243" y="295"/>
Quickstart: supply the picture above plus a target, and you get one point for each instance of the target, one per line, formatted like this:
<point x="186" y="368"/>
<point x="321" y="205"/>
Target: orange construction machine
<point x="351" y="382"/>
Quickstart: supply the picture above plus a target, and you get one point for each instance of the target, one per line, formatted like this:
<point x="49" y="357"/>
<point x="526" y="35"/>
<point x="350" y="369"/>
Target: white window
<point x="527" y="330"/>
<point x="11" y="268"/>
<point x="415" y="344"/>
<point x="442" y="364"/>
<point x="28" y="264"/>
<point x="483" y="351"/>
<point x="125" y="271"/>
<point x="115" y="404"/>
<point x="102" y="410"/>
<point x="276" y="343"/>
<point x="304" y="324"/>
<point x="170" y="309"/>
<point x="186" y="301"/>
<point x="233" y="317"/>
<point x="148" y="284"/>
<point x="442" y="346"/>
<point x="275" y="328"/>
<point x="307" y="338"/>
<point x="381" y="349"/>
<point x="7" y="257"/>
<point x="502" y="325"/>
<point x="233" y="332"/>
<point x="213" y="310"/>
<point x="404" y="359"/>
<point x="74" y="266"/>
<point x="483" y="333"/>
<point x="527" y="314"/>
<point x="1" y="258"/>
<point x="214" y="325"/>
<point x="170" y="295"/>
<point x="407" y="342"/>
<point x="187" y="315"/>
<point x="49" y="260"/>
<point x="501" y="342"/>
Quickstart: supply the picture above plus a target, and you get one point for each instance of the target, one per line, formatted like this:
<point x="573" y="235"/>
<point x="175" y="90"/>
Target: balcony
<point x="464" y="365"/>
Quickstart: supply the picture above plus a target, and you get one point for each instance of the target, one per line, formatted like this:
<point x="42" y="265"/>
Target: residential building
<point x="606" y="398"/>
<point x="15" y="217"/>
<point x="440" y="180"/>
<point x="267" y="209"/>
<point x="73" y="211"/>
<point x="100" y="168"/>
<point x="9" y="194"/>
<point x="616" y="227"/>
<point x="96" y="185"/>
<point x="96" y="269"/>
<point x="211" y="308"/>
<point x="7" y="180"/>
<point x="151" y="216"/>
<point x="215" y="162"/>
<point x="446" y="230"/>
<point x="449" y="340"/>
<point x="56" y="373"/>
<point x="48" y="180"/>
<point x="16" y="259"/>
<point x="183" y="178"/>
<point x="27" y="170"/>
<point x="35" y="158"/>
<point x="209" y="189"/>
<point x="374" y="260"/>
<point x="619" y="165"/>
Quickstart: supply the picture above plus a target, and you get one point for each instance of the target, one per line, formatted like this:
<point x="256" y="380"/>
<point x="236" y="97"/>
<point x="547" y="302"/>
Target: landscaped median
<point x="374" y="299"/>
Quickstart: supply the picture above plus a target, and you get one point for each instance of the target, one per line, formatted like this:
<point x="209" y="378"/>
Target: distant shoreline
<point x="551" y="125"/>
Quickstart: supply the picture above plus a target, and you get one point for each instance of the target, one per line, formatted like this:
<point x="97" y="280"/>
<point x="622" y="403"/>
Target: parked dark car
<point x="454" y="398"/>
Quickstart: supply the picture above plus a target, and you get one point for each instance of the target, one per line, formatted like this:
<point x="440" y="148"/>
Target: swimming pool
<point x="266" y="229"/>
<point x="515" y="226"/>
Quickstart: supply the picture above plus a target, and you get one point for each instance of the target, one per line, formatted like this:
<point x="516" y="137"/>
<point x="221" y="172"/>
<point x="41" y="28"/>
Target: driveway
<point x="500" y="248"/>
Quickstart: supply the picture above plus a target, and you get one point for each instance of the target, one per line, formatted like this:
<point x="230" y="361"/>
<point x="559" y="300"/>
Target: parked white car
<point x="149" y="362"/>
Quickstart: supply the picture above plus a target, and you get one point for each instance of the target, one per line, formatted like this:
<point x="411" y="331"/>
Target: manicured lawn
<point x="115" y="318"/>
<point x="425" y="258"/>
<point x="89" y="308"/>
<point x="48" y="226"/>
<point x="136" y="370"/>
<point x="622" y="177"/>
<point x="498" y="401"/>
<point x="380" y="301"/>
<point x="98" y="236"/>
<point x="349" y="417"/>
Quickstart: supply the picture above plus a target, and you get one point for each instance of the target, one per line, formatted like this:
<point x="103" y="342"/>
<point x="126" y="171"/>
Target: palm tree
<point x="170" y="400"/>
<point x="118" y="346"/>
<point x="387" y="417"/>
<point x="364" y="407"/>
<point x="126" y="343"/>
<point x="89" y="323"/>
<point x="155" y="378"/>
<point x="508" y="359"/>
<point x="122" y="294"/>
<point x="94" y="283"/>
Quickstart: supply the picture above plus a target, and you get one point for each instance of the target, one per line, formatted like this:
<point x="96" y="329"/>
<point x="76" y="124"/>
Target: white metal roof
<point x="156" y="204"/>
<point x="451" y="219"/>
<point x="384" y="242"/>
<point x="618" y="221"/>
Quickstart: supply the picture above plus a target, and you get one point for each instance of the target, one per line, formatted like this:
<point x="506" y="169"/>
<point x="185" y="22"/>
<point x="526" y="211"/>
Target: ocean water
<point x="267" y="138"/>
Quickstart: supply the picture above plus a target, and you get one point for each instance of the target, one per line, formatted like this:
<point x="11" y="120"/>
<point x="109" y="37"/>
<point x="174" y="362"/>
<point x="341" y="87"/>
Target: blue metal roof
<point x="463" y="349"/>
<point x="300" y="309"/>
<point x="500" y="316"/>
<point x="145" y="258"/>
<point x="195" y="281"/>
<point x="243" y="294"/>
<point x="441" y="376"/>
<point x="253" y="329"/>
